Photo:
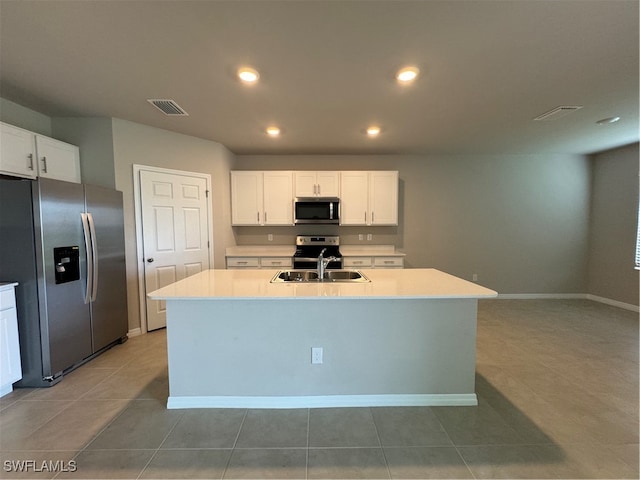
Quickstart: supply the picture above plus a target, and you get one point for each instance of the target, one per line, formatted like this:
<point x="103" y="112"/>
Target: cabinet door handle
<point x="365" y="216"/>
<point x="258" y="213"/>
<point x="30" y="157"/>
<point x="265" y="217"/>
<point x="44" y="164"/>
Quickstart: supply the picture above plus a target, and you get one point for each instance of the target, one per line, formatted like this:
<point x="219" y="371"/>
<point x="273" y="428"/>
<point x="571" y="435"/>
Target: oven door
<point x="317" y="210"/>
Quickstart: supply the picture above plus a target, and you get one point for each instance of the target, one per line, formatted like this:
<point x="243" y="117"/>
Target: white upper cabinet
<point x="262" y="198"/>
<point x="317" y="184"/>
<point x="26" y="154"/>
<point x="278" y="198"/>
<point x="354" y="198"/>
<point x="57" y="159"/>
<point x="17" y="152"/>
<point x="383" y="198"/>
<point x="369" y="198"/>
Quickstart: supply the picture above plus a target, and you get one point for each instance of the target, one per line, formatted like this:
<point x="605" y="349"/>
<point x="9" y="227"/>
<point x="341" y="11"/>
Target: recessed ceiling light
<point x="248" y="75"/>
<point x="273" y="131"/>
<point x="606" y="121"/>
<point x="373" y="131"/>
<point x="407" y="74"/>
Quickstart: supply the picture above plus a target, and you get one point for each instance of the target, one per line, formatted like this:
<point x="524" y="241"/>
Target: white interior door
<point x="175" y="233"/>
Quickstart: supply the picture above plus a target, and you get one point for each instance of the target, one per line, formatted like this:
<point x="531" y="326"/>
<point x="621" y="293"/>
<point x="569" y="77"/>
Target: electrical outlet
<point x="474" y="277"/>
<point x="270" y="237"/>
<point x="369" y="236"/>
<point x="360" y="237"/>
<point x="316" y="355"/>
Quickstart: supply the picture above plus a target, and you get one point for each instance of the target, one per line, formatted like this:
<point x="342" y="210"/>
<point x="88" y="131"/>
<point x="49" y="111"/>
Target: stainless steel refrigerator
<point x="64" y="243"/>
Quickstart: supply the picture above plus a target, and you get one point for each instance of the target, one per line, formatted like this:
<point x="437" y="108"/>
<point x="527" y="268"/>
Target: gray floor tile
<point x="75" y="426"/>
<point x="274" y="428"/>
<point x="342" y="427"/>
<point x="519" y="461"/>
<point x="74" y="384"/>
<point x="131" y="384"/>
<point x="206" y="428"/>
<point x="426" y="462"/>
<point x="409" y="426"/>
<point x="143" y="424"/>
<point x="347" y="463"/>
<point x="267" y="463"/>
<point x="178" y="464"/>
<point x="20" y="419"/>
<point x="480" y="425"/>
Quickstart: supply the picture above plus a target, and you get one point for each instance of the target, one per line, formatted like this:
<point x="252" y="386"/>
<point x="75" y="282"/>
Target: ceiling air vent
<point x="558" y="112"/>
<point x="168" y="107"/>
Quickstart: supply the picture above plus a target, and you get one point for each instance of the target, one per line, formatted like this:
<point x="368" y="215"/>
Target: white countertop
<point x="385" y="284"/>
<point x="288" y="251"/>
<point x="370" y="251"/>
<point x="261" y="251"/>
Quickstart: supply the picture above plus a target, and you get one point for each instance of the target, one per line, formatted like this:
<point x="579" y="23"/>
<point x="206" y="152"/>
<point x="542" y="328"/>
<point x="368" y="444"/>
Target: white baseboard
<point x="615" y="303"/>
<point x="568" y="296"/>
<point x="323" y="401"/>
<point x="535" y="296"/>
<point x="134" y="332"/>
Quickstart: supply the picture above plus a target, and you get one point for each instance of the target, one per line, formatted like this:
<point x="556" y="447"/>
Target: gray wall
<point x="519" y="221"/>
<point x="94" y="137"/>
<point x="614" y="214"/>
<point x="138" y="144"/>
<point x="23" y="117"/>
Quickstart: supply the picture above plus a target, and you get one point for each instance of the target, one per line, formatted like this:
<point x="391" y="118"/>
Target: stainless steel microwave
<point x="324" y="210"/>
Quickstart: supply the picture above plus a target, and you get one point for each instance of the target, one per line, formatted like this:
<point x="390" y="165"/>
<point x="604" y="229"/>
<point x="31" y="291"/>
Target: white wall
<point x="138" y="144"/>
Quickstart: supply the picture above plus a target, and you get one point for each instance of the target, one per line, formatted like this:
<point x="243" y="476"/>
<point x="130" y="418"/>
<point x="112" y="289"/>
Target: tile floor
<point x="557" y="383"/>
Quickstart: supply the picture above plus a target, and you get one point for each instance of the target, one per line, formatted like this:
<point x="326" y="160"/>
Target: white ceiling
<point x="327" y="70"/>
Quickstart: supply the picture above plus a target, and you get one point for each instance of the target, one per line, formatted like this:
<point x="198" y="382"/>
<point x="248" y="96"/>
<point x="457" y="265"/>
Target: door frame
<point x="137" y="203"/>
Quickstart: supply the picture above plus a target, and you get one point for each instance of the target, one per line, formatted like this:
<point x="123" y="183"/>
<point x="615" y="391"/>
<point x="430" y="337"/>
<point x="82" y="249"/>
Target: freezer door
<point x="109" y="290"/>
<point x="60" y="248"/>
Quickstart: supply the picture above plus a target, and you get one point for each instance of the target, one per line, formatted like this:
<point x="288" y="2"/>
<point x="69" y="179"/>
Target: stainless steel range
<point x="309" y="247"/>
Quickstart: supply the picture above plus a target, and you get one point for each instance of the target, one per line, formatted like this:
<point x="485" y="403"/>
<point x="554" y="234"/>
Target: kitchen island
<point x="236" y="340"/>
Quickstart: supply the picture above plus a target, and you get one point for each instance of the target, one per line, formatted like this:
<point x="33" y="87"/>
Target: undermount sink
<point x="349" y="276"/>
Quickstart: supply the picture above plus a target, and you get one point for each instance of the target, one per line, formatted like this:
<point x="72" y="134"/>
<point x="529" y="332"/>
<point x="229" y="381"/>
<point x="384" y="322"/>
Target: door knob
<point x="150" y="260"/>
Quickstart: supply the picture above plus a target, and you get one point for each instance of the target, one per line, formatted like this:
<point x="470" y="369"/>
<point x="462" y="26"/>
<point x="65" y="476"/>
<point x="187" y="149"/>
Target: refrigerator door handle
<point x="94" y="256"/>
<point x="88" y="249"/>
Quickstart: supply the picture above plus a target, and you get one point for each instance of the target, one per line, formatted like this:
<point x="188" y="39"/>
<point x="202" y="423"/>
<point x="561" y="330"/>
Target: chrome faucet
<point x="323" y="262"/>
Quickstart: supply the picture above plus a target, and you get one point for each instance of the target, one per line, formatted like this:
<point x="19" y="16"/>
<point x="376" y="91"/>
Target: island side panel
<point x="254" y="348"/>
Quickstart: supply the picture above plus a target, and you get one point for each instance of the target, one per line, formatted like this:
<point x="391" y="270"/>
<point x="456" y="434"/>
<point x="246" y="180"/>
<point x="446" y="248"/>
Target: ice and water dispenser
<point x="67" y="264"/>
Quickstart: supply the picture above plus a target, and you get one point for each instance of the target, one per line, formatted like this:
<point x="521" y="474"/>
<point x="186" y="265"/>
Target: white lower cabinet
<point x="27" y="154"/>
<point x="259" y="262"/>
<point x="373" y="262"/>
<point x="276" y="262"/>
<point x="10" y="364"/>
<point x="243" y="262"/>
